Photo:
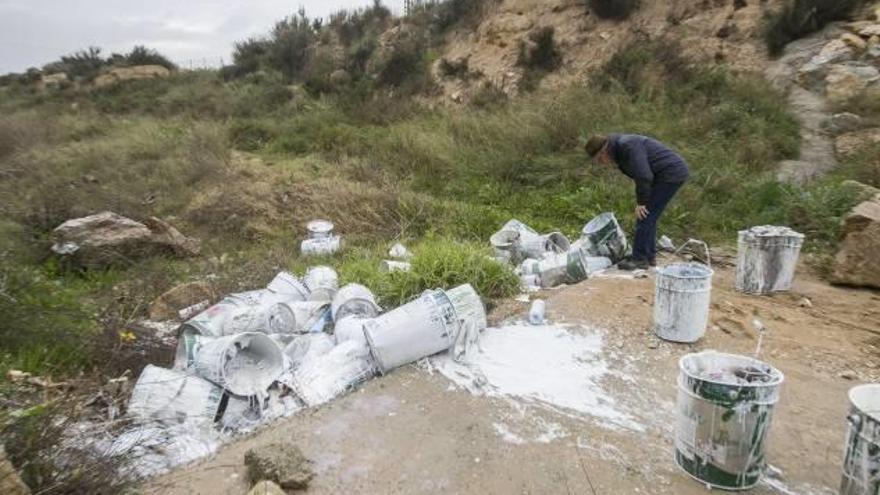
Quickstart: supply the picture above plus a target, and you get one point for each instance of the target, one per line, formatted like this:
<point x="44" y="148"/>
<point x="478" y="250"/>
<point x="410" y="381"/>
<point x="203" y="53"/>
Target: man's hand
<point x="641" y="212"/>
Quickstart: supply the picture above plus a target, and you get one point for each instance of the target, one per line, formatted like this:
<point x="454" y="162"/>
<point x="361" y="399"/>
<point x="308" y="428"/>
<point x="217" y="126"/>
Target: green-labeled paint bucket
<point x="725" y="407"/>
<point x="861" y="462"/>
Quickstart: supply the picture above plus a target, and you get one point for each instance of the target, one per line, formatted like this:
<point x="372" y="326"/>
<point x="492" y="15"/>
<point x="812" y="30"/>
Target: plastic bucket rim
<point x="774" y="370"/>
<point x="854" y="401"/>
<point x="661" y="271"/>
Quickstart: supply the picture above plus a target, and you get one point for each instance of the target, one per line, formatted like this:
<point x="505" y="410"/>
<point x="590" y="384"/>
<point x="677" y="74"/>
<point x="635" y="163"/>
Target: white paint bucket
<point x="244" y="364"/>
<point x="307" y="347"/>
<point x="320" y="229"/>
<point x="174" y="396"/>
<point x="318" y="380"/>
<point x="861" y="463"/>
<point x="307" y="314"/>
<point x="322" y="246"/>
<point x="287" y="284"/>
<point x="537" y="246"/>
<point x="536" y="312"/>
<point x="322" y="282"/>
<point x="505" y="243"/>
<point x="354" y="299"/>
<point x="682" y="293"/>
<point x="389" y="266"/>
<point x="767" y="257"/>
<point x="420" y="328"/>
<point x="211" y="321"/>
<point x="471" y="314"/>
<point x="187" y="340"/>
<point x="564" y="268"/>
<point x="725" y="408"/>
<point x="350" y="328"/>
<point x="268" y="319"/>
<point x="604" y="237"/>
<point x="400" y="252"/>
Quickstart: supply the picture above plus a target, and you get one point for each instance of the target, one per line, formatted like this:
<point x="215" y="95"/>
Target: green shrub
<point x="538" y="55"/>
<point x="617" y="10"/>
<point x="798" y="18"/>
<point x="141" y="55"/>
<point x="251" y="135"/>
<point x="288" y="48"/>
<point x="84" y="64"/>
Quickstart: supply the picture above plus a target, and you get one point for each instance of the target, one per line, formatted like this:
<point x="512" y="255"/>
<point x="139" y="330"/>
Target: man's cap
<point x="595" y="144"/>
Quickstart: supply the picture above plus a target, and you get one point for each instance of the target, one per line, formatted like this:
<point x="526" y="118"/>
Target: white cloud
<point x="35" y="32"/>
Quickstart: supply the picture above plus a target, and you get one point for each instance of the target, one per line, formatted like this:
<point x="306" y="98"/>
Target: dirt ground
<point x="413" y="432"/>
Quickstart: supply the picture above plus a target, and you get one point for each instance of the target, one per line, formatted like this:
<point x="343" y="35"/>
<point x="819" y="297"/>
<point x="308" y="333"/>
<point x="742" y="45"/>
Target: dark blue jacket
<point x="646" y="161"/>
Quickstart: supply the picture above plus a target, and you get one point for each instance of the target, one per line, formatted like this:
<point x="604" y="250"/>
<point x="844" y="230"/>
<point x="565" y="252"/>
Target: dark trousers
<point x="645" y="244"/>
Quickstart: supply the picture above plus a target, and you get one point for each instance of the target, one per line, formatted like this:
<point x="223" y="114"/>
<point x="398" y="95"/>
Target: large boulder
<point x="168" y="305"/>
<point x="856" y="262"/>
<point x="812" y="73"/>
<point x="119" y="74"/>
<point x="851" y="143"/>
<point x="841" y="123"/>
<point x="10" y="482"/>
<point x="848" y="80"/>
<point x="108" y="238"/>
<point x="282" y="463"/>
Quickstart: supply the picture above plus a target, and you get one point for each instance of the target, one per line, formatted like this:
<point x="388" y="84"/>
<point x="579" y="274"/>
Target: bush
<point x="617" y="10"/>
<point x="798" y="18"/>
<point x="141" y="55"/>
<point x="538" y="55"/>
<point x="248" y="56"/>
<point x="250" y="135"/>
<point x="288" y="48"/>
<point x="84" y="64"/>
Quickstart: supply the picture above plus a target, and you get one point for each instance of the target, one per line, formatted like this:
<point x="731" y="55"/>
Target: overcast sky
<point x="34" y="32"/>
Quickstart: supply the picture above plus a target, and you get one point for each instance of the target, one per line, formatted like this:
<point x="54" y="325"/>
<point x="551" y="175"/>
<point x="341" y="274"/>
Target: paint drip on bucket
<point x="861" y="463"/>
<point x="767" y="257"/>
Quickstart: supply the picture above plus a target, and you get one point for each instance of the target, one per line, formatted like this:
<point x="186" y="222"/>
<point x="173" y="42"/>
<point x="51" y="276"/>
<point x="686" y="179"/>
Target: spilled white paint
<point x="547" y="366"/>
<point x="503" y="431"/>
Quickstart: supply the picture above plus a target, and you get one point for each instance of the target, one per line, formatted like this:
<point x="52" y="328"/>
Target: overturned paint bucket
<point x="861" y="463"/>
<point x="322" y="282"/>
<point x="505" y="242"/>
<point x="320" y="229"/>
<point x="350" y="328"/>
<point x="537" y="246"/>
<point x="725" y="408"/>
<point x="603" y="236"/>
<point x="307" y="315"/>
<point x="288" y="285"/>
<point x="317" y="381"/>
<point x="244" y="364"/>
<point x="420" y="328"/>
<point x="767" y="257"/>
<point x="174" y="396"/>
<point x="682" y="293"/>
<point x="564" y="268"/>
<point x="321" y="246"/>
<point x="354" y="299"/>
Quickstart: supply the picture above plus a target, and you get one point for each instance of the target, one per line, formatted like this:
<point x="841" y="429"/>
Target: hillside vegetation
<point x="244" y="156"/>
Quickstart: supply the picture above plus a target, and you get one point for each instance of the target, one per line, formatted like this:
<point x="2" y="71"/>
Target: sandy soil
<point x="412" y="432"/>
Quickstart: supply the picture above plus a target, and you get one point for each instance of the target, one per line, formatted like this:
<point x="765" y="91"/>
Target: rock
<point x="10" y="482"/>
<point x="856" y="262"/>
<point x="169" y="304"/>
<point x="52" y="81"/>
<point x="870" y="31"/>
<point x="853" y="142"/>
<point x="841" y="123"/>
<point x="872" y="54"/>
<point x="861" y="191"/>
<point x="107" y="238"/>
<point x="119" y="74"/>
<point x="854" y="42"/>
<point x="282" y="463"/>
<point x="812" y="73"/>
<point x="340" y="77"/>
<point x="846" y="81"/>
<point x="456" y="97"/>
<point x="848" y="375"/>
<point x="266" y="488"/>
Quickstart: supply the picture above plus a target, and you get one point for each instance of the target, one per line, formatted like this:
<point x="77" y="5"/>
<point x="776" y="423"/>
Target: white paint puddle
<point x="546" y="366"/>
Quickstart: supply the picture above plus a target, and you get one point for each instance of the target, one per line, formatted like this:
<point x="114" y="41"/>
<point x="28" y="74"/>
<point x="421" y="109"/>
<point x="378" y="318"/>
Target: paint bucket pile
<point x="767" y="257"/>
<point x="300" y="342"/>
<point x="550" y="260"/>
<point x="725" y="408"/>
<point x="321" y="239"/>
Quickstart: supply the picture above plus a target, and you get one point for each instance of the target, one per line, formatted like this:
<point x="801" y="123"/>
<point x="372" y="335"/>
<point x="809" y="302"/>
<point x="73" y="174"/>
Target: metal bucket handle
<point x="699" y="243"/>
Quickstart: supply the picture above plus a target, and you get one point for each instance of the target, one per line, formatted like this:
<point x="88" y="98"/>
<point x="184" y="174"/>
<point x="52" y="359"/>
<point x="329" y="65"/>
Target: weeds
<point x="798" y="18"/>
<point x="617" y="10"/>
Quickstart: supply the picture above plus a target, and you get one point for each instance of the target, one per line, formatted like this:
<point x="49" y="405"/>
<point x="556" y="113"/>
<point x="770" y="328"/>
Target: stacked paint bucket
<point x="767" y="257"/>
<point x="321" y="240"/>
<point x="861" y="463"/>
<point x="725" y="408"/>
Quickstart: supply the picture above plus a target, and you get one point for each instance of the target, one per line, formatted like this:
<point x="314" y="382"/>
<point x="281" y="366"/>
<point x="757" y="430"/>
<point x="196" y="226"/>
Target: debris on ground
<point x="856" y="262"/>
<point x="666" y="244"/>
<point x="268" y="353"/>
<point x="321" y="240"/>
<point x="10" y="482"/>
<point x="400" y="252"/>
<point x="179" y="299"/>
<point x="282" y="463"/>
<point x="266" y="487"/>
<point x="108" y="238"/>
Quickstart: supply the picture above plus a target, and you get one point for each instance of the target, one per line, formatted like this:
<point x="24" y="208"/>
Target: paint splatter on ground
<point x="550" y="366"/>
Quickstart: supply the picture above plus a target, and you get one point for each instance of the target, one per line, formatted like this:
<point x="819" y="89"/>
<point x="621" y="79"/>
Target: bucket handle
<point x="699" y="243"/>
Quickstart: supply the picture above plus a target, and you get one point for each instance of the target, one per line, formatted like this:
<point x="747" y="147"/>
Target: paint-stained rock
<point x="282" y="463"/>
<point x="108" y="238"/>
<point x="168" y="305"/>
<point x="266" y="488"/>
<point x="856" y="262"/>
<point x="10" y="482"/>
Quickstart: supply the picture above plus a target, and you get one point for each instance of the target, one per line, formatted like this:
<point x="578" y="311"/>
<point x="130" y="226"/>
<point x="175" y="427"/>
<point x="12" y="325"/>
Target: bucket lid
<point x="320" y="226"/>
<point x="730" y="369"/>
<point x="867" y="399"/>
<point x="761" y="231"/>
